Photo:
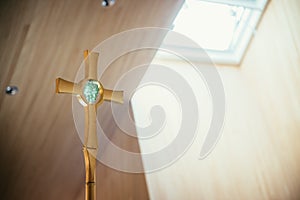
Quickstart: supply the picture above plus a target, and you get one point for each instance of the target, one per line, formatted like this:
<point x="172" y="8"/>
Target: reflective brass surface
<point x="90" y="133"/>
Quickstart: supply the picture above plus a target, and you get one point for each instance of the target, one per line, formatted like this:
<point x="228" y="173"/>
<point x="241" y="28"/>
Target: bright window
<point x="223" y="28"/>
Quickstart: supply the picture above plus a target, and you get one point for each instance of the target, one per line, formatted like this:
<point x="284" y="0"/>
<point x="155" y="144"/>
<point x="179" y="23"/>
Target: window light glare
<point x="211" y="25"/>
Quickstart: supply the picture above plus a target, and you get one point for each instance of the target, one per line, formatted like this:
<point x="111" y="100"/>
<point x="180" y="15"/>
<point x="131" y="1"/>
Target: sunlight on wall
<point x="258" y="154"/>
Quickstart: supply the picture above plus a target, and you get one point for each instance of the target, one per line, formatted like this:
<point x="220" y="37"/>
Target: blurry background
<point x="40" y="151"/>
<point x="41" y="157"/>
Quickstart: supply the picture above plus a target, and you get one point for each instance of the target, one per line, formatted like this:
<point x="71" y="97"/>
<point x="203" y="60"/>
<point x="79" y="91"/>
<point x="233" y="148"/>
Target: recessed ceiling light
<point x="11" y="90"/>
<point x="108" y="3"/>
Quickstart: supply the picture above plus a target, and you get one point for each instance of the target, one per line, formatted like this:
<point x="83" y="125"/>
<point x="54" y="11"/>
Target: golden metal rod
<point x="90" y="173"/>
<point x="91" y="141"/>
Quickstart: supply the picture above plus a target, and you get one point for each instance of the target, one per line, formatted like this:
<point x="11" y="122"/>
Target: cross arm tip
<point x="115" y="96"/>
<point x="64" y="86"/>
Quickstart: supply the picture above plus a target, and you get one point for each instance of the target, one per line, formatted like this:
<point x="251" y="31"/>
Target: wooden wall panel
<point x="41" y="154"/>
<point x="257" y="156"/>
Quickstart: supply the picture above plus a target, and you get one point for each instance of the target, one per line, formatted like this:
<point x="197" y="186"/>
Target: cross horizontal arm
<point x="115" y="96"/>
<point x="63" y="86"/>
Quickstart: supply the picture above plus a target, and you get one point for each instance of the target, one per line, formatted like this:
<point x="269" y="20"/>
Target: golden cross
<point x="91" y="94"/>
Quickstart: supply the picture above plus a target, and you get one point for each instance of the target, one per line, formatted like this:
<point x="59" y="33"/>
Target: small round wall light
<point x="108" y="3"/>
<point x="11" y="90"/>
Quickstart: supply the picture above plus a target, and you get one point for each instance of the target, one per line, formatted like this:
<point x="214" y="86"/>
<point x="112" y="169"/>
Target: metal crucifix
<point x="91" y="94"/>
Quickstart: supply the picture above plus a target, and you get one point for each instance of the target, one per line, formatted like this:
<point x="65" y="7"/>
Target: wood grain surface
<point x="258" y="155"/>
<point x="41" y="153"/>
